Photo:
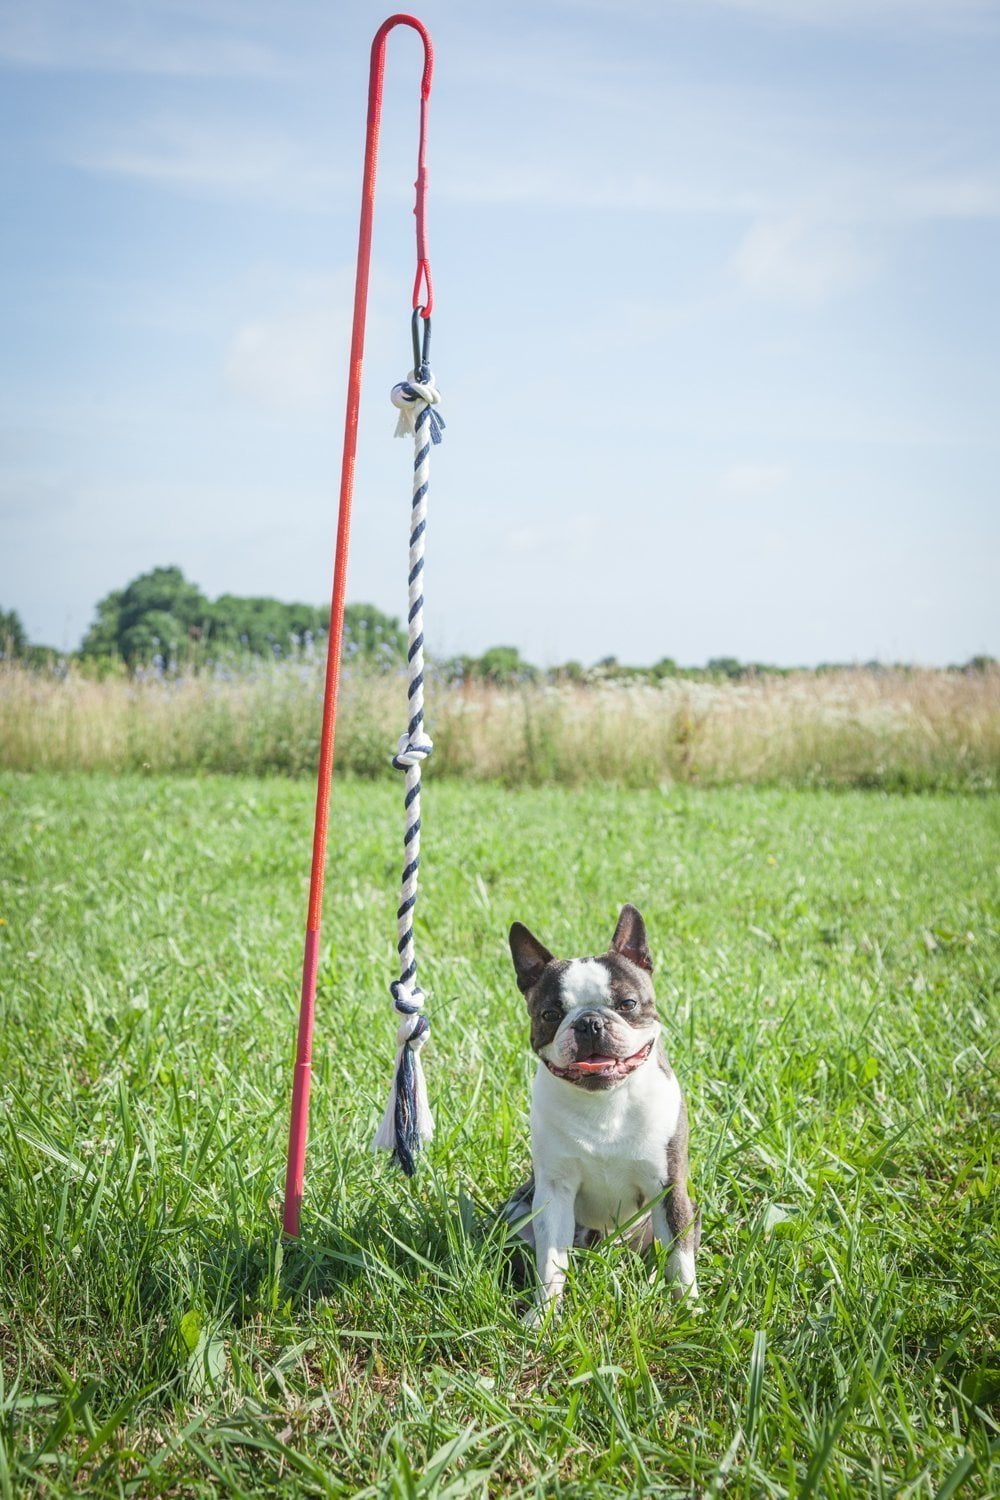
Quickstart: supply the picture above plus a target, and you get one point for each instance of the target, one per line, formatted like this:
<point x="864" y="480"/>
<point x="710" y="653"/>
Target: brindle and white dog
<point x="609" y="1130"/>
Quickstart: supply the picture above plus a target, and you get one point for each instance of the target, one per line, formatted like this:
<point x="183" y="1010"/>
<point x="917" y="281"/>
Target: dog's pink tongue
<point x="596" y="1064"/>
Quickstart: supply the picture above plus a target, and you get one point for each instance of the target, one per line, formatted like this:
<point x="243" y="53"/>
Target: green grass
<point x="827" y="968"/>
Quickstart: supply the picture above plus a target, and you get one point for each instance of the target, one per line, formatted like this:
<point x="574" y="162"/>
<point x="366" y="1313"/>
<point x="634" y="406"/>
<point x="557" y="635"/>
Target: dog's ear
<point x="630" y="939"/>
<point x="529" y="955"/>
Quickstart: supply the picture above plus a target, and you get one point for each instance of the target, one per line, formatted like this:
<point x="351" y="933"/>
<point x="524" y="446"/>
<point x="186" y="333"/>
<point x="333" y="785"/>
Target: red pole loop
<point x="375" y="80"/>
<point x="424" y="301"/>
<point x="298" y="1129"/>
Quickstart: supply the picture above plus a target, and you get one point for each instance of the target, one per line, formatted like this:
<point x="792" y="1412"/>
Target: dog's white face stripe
<point x="586" y="984"/>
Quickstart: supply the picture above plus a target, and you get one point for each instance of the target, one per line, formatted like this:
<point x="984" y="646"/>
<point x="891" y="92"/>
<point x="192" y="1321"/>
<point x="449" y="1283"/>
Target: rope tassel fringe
<point x="407" y="1124"/>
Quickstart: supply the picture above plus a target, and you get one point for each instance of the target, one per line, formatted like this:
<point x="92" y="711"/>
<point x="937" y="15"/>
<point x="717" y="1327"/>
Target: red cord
<point x="422" y="289"/>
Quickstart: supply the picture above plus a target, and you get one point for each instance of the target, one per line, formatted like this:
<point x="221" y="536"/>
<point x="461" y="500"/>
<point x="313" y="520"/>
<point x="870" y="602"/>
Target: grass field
<point x="827" y="965"/>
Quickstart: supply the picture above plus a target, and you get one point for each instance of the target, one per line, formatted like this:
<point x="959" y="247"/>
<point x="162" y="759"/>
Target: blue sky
<point x="716" y="329"/>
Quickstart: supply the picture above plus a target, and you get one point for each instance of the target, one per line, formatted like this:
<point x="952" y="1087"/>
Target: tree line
<point x="161" y="619"/>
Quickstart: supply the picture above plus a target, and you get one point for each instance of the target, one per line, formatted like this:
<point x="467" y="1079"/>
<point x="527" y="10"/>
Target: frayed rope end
<point x="411" y="397"/>
<point x="407" y="1124"/>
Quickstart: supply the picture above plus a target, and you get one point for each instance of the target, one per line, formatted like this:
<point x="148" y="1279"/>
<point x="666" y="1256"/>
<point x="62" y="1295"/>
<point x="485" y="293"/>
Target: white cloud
<point x="962" y="16"/>
<point x="571" y="538"/>
<point x="290" y="357"/>
<point x="228" y="159"/>
<point x="949" y="15"/>
<point x="957" y="196"/>
<point x="793" y="258"/>
<point x="750" y="481"/>
<point x="564" y="185"/>
<point x="111" y="36"/>
<point x="289" y="360"/>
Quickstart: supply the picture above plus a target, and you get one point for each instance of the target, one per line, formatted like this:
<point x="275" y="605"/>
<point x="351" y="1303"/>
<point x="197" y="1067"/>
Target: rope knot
<point x="412" y="749"/>
<point x="416" y="397"/>
<point x="408" y="1000"/>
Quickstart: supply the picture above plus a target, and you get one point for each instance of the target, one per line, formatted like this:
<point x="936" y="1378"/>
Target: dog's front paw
<point x="689" y="1295"/>
<point x="543" y="1310"/>
<point x="681" y="1276"/>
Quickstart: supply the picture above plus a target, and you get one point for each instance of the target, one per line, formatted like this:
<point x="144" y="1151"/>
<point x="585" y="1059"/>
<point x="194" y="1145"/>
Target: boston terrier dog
<point x="609" y="1131"/>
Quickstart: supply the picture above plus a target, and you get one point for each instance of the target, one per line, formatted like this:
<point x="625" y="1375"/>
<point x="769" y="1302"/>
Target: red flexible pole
<point x="422" y="298"/>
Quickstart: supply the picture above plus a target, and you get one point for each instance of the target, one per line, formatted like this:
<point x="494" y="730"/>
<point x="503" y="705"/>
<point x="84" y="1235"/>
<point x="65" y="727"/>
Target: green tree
<point x="726" y="666"/>
<point x="157" y="633"/>
<point x="262" y="626"/>
<point x="504" y="665"/>
<point x="13" y="636"/>
<point x="373" y="636"/>
<point x="156" y="615"/>
<point x="101" y="639"/>
<point x="569" y="671"/>
<point x="162" y="615"/>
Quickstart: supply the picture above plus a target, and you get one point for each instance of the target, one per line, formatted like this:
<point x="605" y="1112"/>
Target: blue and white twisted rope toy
<point x="408" y="1124"/>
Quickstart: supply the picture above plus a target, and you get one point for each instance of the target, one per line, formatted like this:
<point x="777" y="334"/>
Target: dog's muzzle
<point x="593" y="1064"/>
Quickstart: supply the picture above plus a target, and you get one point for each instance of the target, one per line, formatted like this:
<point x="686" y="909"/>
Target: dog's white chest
<point x="610" y="1147"/>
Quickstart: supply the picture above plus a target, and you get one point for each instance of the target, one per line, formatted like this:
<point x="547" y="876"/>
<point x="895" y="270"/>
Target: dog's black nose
<point x="589" y="1026"/>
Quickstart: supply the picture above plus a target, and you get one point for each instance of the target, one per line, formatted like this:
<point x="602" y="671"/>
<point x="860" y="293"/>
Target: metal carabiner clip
<point x="421" y="349"/>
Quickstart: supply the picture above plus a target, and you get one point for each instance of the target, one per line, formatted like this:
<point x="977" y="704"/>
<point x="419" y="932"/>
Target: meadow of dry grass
<point x="907" y="729"/>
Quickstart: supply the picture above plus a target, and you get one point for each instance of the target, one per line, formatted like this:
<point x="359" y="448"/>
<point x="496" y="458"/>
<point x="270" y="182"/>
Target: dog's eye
<point x="551" y="1014"/>
<point x="628" y="1003"/>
